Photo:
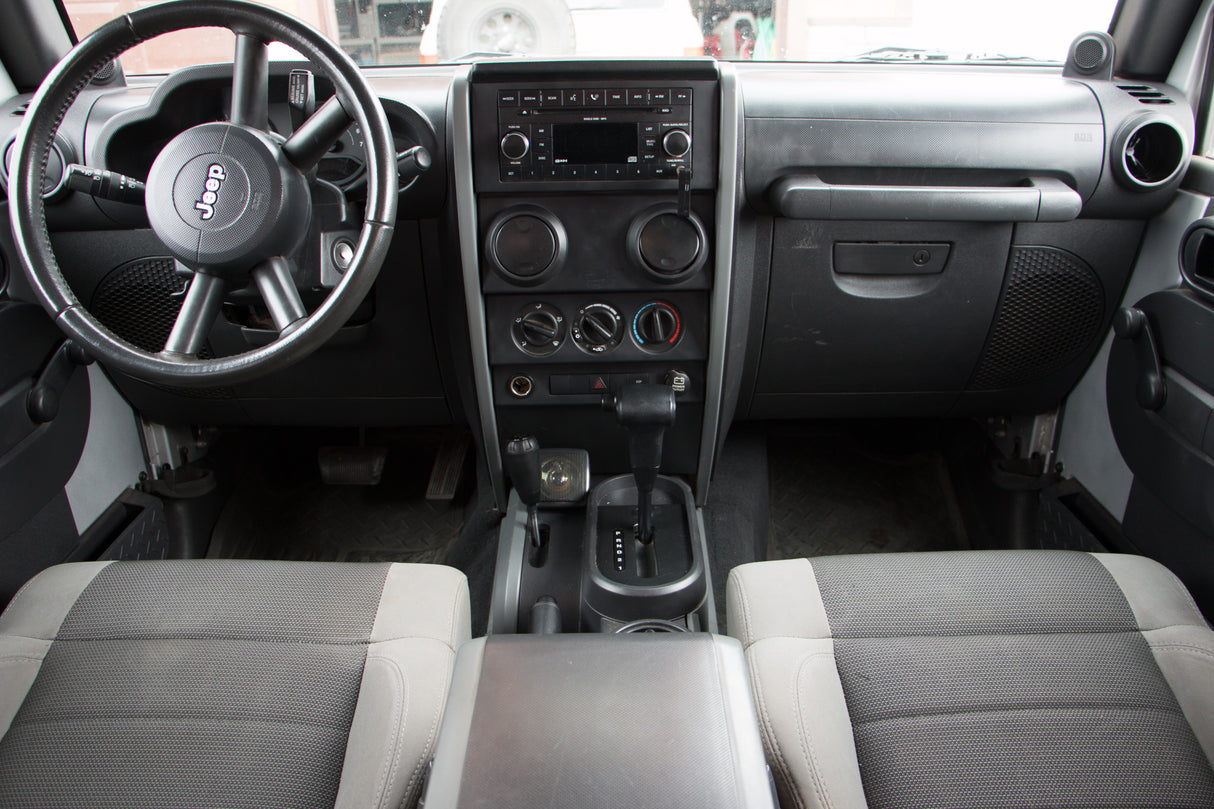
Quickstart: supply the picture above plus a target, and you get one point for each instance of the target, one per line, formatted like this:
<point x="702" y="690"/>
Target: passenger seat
<point x="988" y="678"/>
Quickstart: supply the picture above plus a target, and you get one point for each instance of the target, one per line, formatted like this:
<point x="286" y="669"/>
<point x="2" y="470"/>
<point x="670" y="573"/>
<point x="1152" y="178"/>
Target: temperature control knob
<point x="515" y="145"/>
<point x="676" y="143"/>
<point x="597" y="328"/>
<point x="657" y="326"/>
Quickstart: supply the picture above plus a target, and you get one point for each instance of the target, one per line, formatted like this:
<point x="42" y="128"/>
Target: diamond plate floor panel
<point x="832" y="494"/>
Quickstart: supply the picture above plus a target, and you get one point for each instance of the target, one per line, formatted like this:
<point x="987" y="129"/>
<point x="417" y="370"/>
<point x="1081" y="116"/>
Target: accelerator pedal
<point x="448" y="467"/>
<point x="352" y="466"/>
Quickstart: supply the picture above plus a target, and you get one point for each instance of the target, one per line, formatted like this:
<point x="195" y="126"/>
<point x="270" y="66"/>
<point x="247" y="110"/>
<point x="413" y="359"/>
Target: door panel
<point x="36" y="460"/>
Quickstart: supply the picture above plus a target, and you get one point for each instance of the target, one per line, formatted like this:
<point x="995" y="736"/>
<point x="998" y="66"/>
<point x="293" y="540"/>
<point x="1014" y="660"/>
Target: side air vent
<point x="1148" y="152"/>
<point x="1145" y="94"/>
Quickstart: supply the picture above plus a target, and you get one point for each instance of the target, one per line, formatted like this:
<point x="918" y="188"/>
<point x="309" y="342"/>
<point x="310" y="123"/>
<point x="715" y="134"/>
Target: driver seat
<point x="230" y="683"/>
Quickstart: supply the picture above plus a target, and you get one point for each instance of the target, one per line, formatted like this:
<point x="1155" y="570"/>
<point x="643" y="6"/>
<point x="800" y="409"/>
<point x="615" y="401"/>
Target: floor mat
<point x="281" y="510"/>
<point x="851" y="489"/>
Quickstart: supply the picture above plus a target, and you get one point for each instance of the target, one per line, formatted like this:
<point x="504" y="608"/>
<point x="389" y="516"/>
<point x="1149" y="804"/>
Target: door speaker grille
<point x="1050" y="311"/>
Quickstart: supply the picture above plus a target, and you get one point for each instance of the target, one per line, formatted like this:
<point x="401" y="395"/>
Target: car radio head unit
<point x="593" y="134"/>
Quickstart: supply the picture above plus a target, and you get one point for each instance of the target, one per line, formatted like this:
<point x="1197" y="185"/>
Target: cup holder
<point x="650" y="625"/>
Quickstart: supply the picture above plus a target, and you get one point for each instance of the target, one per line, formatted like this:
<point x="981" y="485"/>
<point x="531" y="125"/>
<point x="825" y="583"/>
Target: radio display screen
<point x="607" y="143"/>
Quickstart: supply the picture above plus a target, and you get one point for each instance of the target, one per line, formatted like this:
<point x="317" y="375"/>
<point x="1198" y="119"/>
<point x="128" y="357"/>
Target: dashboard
<point x="774" y="241"/>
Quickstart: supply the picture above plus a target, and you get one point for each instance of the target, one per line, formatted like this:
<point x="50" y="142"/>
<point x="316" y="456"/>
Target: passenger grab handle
<point x="1040" y="199"/>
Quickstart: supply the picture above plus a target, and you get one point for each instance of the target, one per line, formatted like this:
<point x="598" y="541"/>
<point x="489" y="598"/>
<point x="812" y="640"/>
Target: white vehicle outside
<point x="636" y="28"/>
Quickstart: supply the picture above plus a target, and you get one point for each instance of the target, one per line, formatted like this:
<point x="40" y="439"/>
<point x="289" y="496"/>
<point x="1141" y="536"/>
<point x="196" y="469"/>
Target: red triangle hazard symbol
<point x="599" y="384"/>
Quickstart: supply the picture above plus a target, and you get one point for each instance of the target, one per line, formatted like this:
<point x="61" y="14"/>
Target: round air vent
<point x="526" y="244"/>
<point x="667" y="246"/>
<point x="1148" y="152"/>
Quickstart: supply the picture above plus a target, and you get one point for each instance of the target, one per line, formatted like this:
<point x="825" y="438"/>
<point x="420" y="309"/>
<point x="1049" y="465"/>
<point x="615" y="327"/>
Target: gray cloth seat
<point x="225" y="683"/>
<point x="994" y="679"/>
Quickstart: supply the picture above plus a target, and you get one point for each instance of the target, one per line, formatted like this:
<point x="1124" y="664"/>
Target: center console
<point x="600" y="722"/>
<point x="594" y="190"/>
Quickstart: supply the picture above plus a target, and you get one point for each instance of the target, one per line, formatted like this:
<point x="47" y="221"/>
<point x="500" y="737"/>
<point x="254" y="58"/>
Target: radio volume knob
<point x="676" y="143"/>
<point x="515" y="145"/>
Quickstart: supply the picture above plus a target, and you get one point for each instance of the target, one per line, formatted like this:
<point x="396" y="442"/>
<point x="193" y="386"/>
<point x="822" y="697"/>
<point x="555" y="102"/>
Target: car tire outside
<point x="537" y="27"/>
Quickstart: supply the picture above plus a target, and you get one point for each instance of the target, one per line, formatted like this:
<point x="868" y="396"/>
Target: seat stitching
<point x="392" y="761"/>
<point x="745" y="599"/>
<point x="979" y="711"/>
<point x="428" y="747"/>
<point x="807" y="748"/>
<point x="7" y="660"/>
<point x="770" y="734"/>
<point x="1184" y="648"/>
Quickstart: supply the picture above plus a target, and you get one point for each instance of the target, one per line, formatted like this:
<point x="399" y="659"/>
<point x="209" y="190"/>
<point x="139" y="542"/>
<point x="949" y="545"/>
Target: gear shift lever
<point x="522" y="460"/>
<point x="645" y="410"/>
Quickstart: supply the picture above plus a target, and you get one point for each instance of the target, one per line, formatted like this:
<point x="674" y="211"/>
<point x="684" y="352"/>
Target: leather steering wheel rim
<point x="64" y="84"/>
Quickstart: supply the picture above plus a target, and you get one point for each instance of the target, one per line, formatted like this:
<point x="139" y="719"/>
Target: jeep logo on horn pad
<point x="210" y="194"/>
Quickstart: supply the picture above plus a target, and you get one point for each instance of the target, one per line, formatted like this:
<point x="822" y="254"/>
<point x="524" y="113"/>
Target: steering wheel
<point x="230" y="201"/>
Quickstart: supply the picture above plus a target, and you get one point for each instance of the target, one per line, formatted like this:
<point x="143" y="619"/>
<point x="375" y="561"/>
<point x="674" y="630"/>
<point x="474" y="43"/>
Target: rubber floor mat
<point x="840" y="490"/>
<point x="280" y="510"/>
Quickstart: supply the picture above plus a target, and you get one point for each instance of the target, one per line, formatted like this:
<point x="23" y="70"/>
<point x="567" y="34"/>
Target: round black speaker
<point x="1050" y="312"/>
<point x="1090" y="56"/>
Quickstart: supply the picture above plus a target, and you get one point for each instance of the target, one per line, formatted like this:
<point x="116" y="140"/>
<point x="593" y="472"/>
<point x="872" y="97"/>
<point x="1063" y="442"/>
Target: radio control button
<point x="596" y="171"/>
<point x="659" y="96"/>
<point x="617" y="98"/>
<point x="676" y="143"/>
<point x="681" y="96"/>
<point x="514" y="145"/>
<point x="638" y="98"/>
<point x="531" y="97"/>
<point x="595" y="98"/>
<point x="573" y="98"/>
<point x="649" y="129"/>
<point x="551" y="98"/>
<point x="507" y="98"/>
<point x="575" y="172"/>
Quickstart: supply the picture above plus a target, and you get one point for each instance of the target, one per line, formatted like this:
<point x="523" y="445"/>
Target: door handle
<point x="1131" y="323"/>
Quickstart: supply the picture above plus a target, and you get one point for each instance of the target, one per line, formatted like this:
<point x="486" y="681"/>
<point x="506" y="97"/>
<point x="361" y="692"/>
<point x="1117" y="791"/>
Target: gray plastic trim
<point x="1043" y="199"/>
<point x="442" y="788"/>
<point x="112" y="458"/>
<point x="465" y="209"/>
<point x="508" y="574"/>
<point x="718" y="324"/>
<point x="1189" y="68"/>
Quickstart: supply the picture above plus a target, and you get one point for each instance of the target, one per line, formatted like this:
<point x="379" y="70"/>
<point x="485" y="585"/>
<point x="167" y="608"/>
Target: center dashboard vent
<point x="1145" y="94"/>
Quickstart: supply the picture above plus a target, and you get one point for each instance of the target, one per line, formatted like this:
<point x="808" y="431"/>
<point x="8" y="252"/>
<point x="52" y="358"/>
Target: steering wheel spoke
<point x="278" y="290"/>
<point x="251" y="83"/>
<point x="311" y="141"/>
<point x="203" y="300"/>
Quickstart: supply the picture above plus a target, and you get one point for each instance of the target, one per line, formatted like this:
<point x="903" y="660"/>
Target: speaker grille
<point x="139" y="302"/>
<point x="1089" y="54"/>
<point x="1050" y="311"/>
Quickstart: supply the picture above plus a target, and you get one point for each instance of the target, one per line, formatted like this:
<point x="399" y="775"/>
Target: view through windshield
<point x="392" y="32"/>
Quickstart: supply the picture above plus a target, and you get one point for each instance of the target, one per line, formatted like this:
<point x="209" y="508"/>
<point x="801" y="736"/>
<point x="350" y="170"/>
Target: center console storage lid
<point x="604" y="721"/>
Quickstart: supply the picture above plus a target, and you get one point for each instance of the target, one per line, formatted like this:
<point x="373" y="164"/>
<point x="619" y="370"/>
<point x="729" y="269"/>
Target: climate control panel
<point x="574" y="328"/>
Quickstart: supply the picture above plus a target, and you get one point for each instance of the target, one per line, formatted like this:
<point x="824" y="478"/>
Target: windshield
<point x="390" y="32"/>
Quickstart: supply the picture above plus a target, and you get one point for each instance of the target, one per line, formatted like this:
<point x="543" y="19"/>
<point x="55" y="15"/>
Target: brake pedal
<point x="448" y="467"/>
<point x="352" y="466"/>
